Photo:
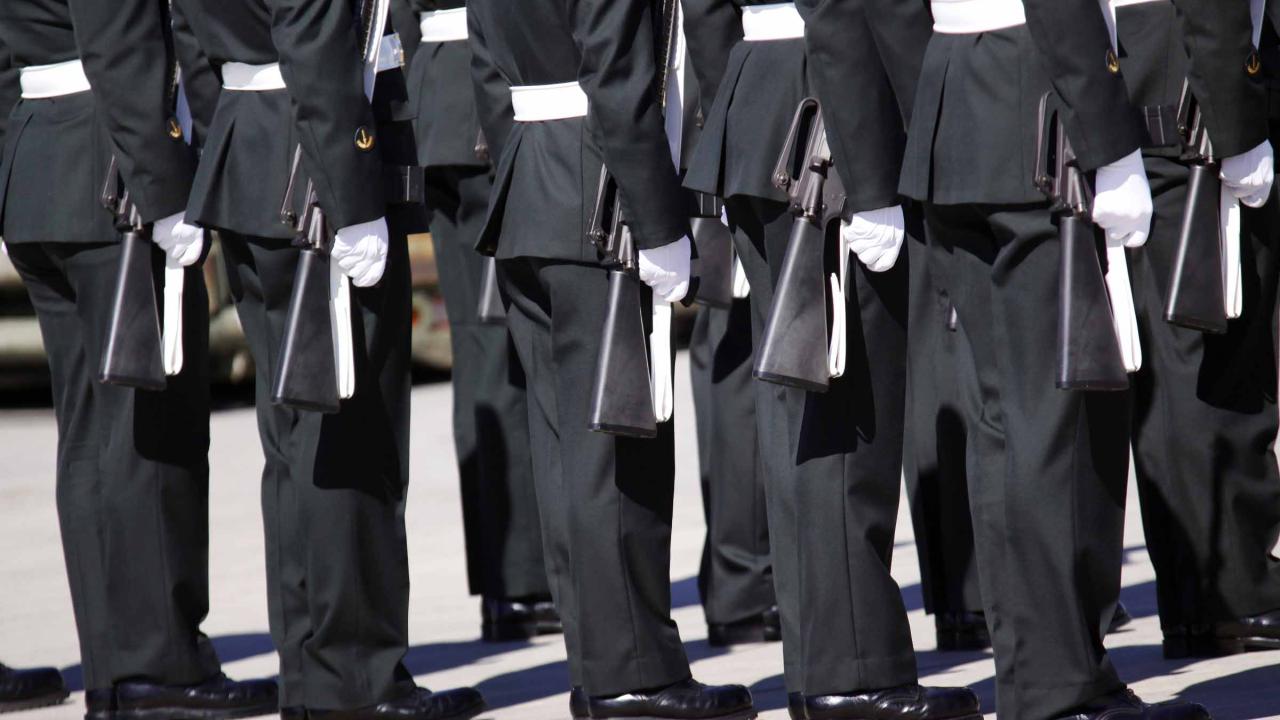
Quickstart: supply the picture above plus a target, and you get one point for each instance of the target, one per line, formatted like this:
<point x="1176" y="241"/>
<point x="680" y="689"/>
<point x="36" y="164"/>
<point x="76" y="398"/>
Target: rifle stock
<point x="491" y="310"/>
<point x="793" y="349"/>
<point x="714" y="245"/>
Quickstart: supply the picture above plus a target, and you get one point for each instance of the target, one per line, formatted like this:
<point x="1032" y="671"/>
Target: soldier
<point x="1205" y="415"/>
<point x="833" y="459"/>
<point x="333" y="485"/>
<point x="132" y="470"/>
<point x="1047" y="494"/>
<point x="490" y="419"/>
<point x="583" y="78"/>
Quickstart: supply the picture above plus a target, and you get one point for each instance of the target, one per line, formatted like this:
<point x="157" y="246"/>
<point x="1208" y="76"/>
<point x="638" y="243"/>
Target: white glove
<point x="1122" y="201"/>
<point x="361" y="251"/>
<point x="183" y="243"/>
<point x="1249" y="175"/>
<point x="666" y="269"/>
<point x="875" y="236"/>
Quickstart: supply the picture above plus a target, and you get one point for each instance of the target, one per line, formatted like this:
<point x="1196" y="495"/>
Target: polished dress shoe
<point x="1256" y="632"/>
<point x="293" y="713"/>
<point x="99" y="704"/>
<point x="32" y="688"/>
<point x="685" y="700"/>
<point x="508" y="620"/>
<point x="415" y="704"/>
<point x="765" y="627"/>
<point x="218" y="698"/>
<point x="1124" y="705"/>
<point x="578" y="703"/>
<point x="795" y="706"/>
<point x="908" y="702"/>
<point x="959" y="631"/>
<point x="1119" y="619"/>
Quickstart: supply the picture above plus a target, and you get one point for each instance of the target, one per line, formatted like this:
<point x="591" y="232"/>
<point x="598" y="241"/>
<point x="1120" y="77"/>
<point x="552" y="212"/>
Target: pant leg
<point x="1204" y="428"/>
<point x="491" y="433"/>
<point x="616" y="492"/>
<point x="736" y="579"/>
<point x="132" y="476"/>
<point x="333" y="486"/>
<point x="1058" y="528"/>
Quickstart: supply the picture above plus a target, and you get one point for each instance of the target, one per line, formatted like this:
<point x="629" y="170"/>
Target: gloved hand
<point x="181" y="242"/>
<point x="876" y="236"/>
<point x="666" y="269"/>
<point x="1122" y="201"/>
<point x="1249" y="175"/>
<point x="361" y="251"/>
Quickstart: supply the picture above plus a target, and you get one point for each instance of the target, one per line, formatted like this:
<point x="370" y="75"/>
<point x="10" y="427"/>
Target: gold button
<point x="1254" y="64"/>
<point x="364" y="139"/>
<point x="1113" y="62"/>
<point x="175" y="129"/>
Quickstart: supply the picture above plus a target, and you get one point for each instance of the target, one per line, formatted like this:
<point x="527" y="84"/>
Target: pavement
<point x="520" y="680"/>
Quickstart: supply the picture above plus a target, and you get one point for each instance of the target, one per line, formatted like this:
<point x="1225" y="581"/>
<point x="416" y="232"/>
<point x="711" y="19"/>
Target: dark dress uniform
<point x="490" y="417"/>
<point x="605" y="500"/>
<point x="132" y="467"/>
<point x="333" y="486"/>
<point x="1205" y="416"/>
<point x="832" y="461"/>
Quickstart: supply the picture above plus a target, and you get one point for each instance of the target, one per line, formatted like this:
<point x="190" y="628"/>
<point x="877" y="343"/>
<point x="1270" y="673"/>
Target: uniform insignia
<point x="175" y="129"/>
<point x="1253" y="65"/>
<point x="364" y="139"/>
<point x="1113" y="62"/>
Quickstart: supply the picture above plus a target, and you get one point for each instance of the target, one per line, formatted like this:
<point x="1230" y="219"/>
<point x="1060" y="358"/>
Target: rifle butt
<point x="490" y="309"/>
<point x="793" y="349"/>
<point x="1088" y="349"/>
<point x="621" y="395"/>
<point x="715" y="262"/>
<point x="133" y="356"/>
<point x="1196" y="296"/>
<point x="306" y="375"/>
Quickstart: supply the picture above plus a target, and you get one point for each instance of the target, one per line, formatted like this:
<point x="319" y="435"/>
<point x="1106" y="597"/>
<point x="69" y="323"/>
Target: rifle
<point x="1089" y="356"/>
<point x="132" y="356"/>
<point x="1196" y="286"/>
<point x="490" y="309"/>
<point x="316" y="369"/>
<point x="795" y="349"/>
<point x="714" y="245"/>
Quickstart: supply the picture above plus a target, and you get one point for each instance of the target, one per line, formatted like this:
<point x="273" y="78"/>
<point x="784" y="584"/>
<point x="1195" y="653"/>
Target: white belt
<point x="537" y="103"/>
<point x="252" y="78"/>
<point x="780" y="21"/>
<point x="47" y="81"/>
<point x="963" y="17"/>
<point x="444" y="25"/>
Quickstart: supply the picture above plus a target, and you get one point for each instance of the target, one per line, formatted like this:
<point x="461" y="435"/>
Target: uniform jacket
<point x="864" y="63"/>
<point x="57" y="150"/>
<point x="546" y="178"/>
<point x="756" y="88"/>
<point x="9" y="89"/>
<point x="251" y="137"/>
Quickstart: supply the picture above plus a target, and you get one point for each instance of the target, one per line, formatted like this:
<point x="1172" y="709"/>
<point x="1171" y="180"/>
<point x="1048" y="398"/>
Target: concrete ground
<point x="519" y="680"/>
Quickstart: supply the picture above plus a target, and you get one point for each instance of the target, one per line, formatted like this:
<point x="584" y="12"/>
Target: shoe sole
<point x="739" y="715"/>
<point x="36" y="702"/>
<point x="977" y="716"/>
<point x="1181" y="648"/>
<point x="194" y="714"/>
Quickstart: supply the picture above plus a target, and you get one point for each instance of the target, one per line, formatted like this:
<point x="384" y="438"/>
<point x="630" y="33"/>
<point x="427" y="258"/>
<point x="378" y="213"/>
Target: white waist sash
<point x="444" y="25"/>
<point x="252" y="78"/>
<point x="48" y="81"/>
<point x="964" y="17"/>
<point x="538" y="103"/>
<point x="780" y="21"/>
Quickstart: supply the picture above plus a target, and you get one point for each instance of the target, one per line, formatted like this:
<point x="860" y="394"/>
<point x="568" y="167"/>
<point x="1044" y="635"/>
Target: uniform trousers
<point x="132" y="475"/>
<point x="1205" y="424"/>
<point x="490" y="417"/>
<point x="333" y="486"/>
<point x="605" y="501"/>
<point x="833" y="465"/>
<point x="1048" y="469"/>
<point x="735" y="580"/>
<point x="934" y="462"/>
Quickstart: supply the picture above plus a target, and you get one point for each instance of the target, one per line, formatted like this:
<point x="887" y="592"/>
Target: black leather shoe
<point x="795" y="706"/>
<point x="909" y="702"/>
<point x="578" y="703"/>
<point x="1124" y="705"/>
<point x="505" y="620"/>
<point x="1256" y="632"/>
<point x="416" y="704"/>
<point x="293" y="713"/>
<point x="32" y="688"/>
<point x="99" y="704"/>
<point x="962" y="631"/>
<point x="1120" y="619"/>
<point x="218" y="698"/>
<point x="765" y="627"/>
<point x="685" y="700"/>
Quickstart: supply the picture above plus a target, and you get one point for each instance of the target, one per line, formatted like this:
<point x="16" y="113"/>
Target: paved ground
<point x="520" y="680"/>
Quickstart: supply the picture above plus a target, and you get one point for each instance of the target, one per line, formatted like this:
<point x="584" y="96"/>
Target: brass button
<point x="175" y="129"/>
<point x="364" y="139"/>
<point x="1113" y="62"/>
<point x="1253" y="65"/>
